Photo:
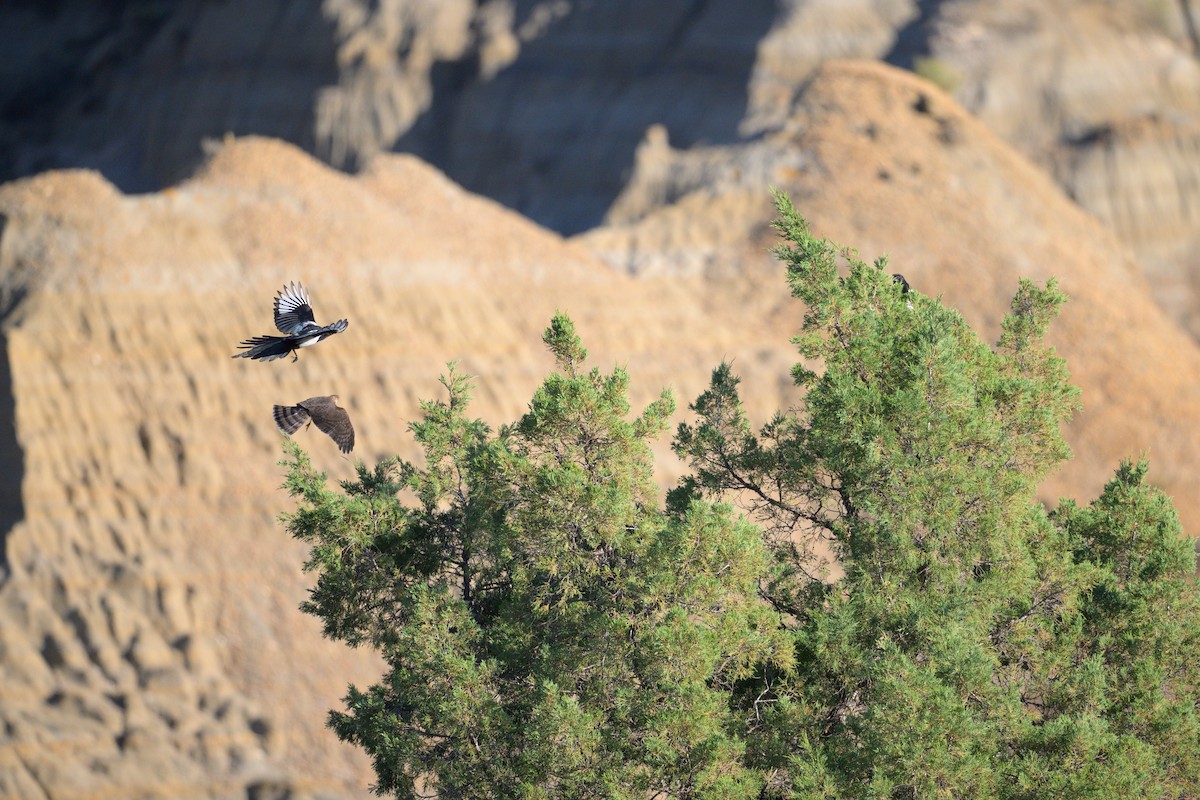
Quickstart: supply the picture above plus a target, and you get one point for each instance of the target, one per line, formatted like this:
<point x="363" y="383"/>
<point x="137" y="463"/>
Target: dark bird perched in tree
<point x="294" y="318"/>
<point x="904" y="287"/>
<point x="324" y="412"/>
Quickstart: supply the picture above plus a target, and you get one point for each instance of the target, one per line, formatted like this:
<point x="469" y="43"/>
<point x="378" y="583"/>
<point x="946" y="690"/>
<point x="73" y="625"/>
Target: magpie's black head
<point x="898" y="278"/>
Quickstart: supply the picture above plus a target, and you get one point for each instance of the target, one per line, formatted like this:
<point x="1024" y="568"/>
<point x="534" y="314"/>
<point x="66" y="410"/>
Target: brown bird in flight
<point x="324" y="412"/>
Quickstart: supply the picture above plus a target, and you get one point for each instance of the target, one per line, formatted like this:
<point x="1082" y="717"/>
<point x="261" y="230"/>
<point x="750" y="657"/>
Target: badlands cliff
<point x="541" y="104"/>
<point x="151" y="644"/>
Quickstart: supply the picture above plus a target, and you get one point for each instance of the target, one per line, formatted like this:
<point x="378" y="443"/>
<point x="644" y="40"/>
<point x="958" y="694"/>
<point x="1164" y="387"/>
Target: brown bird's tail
<point x="289" y="418"/>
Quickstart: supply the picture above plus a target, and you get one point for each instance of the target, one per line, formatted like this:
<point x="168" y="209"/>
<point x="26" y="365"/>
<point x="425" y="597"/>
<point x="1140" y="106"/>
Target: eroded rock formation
<point x="541" y="104"/>
<point x="151" y="643"/>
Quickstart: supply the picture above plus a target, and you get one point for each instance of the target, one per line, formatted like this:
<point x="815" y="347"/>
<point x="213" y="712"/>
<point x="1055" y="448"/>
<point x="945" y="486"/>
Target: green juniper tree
<point x="550" y="631"/>
<point x="893" y="614"/>
<point x="976" y="646"/>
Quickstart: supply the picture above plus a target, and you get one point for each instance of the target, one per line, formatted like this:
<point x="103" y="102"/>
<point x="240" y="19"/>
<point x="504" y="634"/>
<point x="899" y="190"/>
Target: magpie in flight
<point x="324" y="412"/>
<point x="294" y="318"/>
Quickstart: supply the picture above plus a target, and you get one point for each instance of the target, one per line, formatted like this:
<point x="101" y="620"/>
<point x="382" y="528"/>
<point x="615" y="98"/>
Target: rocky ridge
<point x="542" y="104"/>
<point x="152" y="644"/>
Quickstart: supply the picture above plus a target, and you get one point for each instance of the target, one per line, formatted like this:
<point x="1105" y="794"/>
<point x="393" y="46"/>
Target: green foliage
<point x="937" y="72"/>
<point x="976" y="645"/>
<point x="549" y="631"/>
<point x="895" y="615"/>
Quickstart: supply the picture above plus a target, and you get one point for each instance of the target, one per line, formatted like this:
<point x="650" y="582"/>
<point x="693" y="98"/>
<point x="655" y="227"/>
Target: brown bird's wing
<point x="332" y="419"/>
<point x="289" y="418"/>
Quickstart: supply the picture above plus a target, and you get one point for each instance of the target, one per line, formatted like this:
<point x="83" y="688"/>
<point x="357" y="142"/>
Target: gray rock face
<point x="537" y="103"/>
<point x="1142" y="178"/>
<point x="542" y="104"/>
<point x="1106" y="97"/>
<point x="554" y="134"/>
<point x="135" y="90"/>
<point x="562" y="121"/>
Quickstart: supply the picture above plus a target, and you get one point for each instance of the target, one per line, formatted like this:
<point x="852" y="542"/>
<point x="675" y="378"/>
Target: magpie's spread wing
<point x="293" y="310"/>
<point x="336" y="327"/>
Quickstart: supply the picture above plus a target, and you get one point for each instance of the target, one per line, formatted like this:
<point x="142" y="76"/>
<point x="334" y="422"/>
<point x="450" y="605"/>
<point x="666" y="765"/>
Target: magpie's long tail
<point x="265" y="348"/>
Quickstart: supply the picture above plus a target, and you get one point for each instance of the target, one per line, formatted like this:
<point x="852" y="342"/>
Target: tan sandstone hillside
<point x="150" y="643"/>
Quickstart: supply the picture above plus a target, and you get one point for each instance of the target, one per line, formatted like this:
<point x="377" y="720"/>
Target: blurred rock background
<point x="445" y="174"/>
